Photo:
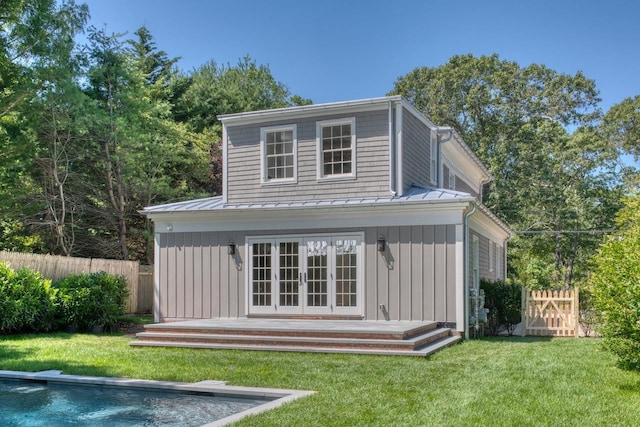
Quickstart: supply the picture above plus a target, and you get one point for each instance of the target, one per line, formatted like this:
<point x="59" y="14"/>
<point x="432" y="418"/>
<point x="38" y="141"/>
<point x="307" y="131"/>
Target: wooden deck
<point x="300" y="335"/>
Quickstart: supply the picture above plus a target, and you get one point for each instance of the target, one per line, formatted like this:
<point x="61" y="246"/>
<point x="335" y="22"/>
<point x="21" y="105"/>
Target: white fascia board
<point x="489" y="226"/>
<point x="460" y="172"/>
<point x="462" y="162"/>
<point x="459" y="152"/>
<point x="417" y="114"/>
<point x="313" y="218"/>
<point x="313" y="110"/>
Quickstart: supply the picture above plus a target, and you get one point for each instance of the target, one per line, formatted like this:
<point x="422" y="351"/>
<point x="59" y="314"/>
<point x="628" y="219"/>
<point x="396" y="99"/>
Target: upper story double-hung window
<point x="279" y="154"/>
<point x="336" y="141"/>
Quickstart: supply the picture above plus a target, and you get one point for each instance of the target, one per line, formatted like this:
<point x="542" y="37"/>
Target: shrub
<point x="615" y="287"/>
<point x="504" y="301"/>
<point x="88" y="300"/>
<point x="27" y="301"/>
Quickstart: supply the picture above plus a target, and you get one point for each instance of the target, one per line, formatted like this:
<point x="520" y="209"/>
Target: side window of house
<point x="336" y="148"/>
<point x="452" y="181"/>
<point x="492" y="251"/>
<point x="279" y="154"/>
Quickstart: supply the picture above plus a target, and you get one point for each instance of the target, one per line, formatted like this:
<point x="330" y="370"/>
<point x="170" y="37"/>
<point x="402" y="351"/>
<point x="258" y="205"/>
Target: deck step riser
<point x="422" y="352"/>
<point x="305" y="334"/>
<point x="274" y="341"/>
<point x="343" y="341"/>
<point x="432" y="338"/>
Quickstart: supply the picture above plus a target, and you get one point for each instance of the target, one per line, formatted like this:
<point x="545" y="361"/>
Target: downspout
<point x="391" y="151"/>
<point x="504" y="262"/>
<point x="466" y="268"/>
<point x="440" y="130"/>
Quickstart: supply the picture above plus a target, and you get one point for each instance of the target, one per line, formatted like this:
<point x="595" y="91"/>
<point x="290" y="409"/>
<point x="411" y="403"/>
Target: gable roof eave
<point x="306" y="110"/>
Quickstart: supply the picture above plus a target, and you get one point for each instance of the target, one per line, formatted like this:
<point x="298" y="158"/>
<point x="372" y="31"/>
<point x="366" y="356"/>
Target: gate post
<point x="523" y="315"/>
<point x="576" y="310"/>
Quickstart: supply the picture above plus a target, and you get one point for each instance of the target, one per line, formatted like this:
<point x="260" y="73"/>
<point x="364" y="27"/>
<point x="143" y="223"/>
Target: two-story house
<point x="361" y="210"/>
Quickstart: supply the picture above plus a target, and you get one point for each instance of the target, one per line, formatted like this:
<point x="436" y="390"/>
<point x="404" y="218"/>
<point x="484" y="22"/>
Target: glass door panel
<point x="289" y="277"/>
<point x="317" y="277"/>
<point x="261" y="278"/>
<point x="346" y="293"/>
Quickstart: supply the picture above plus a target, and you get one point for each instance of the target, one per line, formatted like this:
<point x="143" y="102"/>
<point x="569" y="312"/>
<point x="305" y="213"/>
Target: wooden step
<point x="188" y="328"/>
<point x="420" y="352"/>
<point x="420" y="339"/>
<point x="354" y="341"/>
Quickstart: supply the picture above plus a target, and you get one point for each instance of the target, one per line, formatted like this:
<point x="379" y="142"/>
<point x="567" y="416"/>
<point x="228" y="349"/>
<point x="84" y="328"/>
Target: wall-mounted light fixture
<point x="381" y="244"/>
<point x="169" y="227"/>
<point x="231" y="249"/>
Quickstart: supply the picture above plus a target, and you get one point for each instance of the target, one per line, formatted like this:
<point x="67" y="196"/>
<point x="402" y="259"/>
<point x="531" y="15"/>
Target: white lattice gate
<point x="550" y="313"/>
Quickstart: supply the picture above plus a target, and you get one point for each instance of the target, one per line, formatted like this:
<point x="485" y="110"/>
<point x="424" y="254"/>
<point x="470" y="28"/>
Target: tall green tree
<point x="216" y="89"/>
<point x="141" y="154"/>
<point x="622" y="125"/>
<point x="35" y="37"/>
<point x="535" y="130"/>
<point x="154" y="64"/>
<point x="212" y="89"/>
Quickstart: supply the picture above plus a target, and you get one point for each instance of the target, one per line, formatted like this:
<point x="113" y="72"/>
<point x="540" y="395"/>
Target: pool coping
<point x="280" y="396"/>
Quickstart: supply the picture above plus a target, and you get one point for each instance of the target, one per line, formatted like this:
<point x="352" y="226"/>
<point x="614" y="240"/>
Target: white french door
<point x="305" y="275"/>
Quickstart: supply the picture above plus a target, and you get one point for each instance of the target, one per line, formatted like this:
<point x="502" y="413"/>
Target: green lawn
<point x="510" y="381"/>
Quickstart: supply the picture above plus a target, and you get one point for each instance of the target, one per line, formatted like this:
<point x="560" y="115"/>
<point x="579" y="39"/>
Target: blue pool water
<point x="28" y="403"/>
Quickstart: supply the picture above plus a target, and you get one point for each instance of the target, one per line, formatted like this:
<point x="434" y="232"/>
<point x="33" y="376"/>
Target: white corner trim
<point x="156" y="278"/>
<point x="399" y="153"/>
<point x="225" y="163"/>
<point x="460" y="294"/>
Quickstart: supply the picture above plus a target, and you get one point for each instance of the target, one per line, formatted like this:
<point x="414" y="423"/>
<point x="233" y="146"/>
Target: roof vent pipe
<point x="441" y="130"/>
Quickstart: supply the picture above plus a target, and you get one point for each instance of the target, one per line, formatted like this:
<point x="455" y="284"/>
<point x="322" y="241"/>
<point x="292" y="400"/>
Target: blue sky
<point x="339" y="50"/>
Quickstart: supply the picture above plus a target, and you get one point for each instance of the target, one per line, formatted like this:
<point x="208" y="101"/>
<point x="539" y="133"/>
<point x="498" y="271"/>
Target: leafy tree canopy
<point x="535" y="129"/>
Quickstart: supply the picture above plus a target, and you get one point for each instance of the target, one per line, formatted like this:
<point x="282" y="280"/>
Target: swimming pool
<point x="51" y="399"/>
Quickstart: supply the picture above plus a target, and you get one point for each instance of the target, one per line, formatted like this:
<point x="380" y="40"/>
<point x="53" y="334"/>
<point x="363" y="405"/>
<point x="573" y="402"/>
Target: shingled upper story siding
<point x="416" y="145"/>
<point x="372" y="161"/>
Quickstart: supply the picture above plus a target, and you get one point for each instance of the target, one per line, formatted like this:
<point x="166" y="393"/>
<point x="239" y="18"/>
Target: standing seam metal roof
<point x="413" y="195"/>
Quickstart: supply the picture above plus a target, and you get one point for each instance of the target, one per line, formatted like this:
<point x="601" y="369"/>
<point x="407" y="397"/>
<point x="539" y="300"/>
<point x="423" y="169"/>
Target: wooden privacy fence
<point x="550" y="313"/>
<point x="56" y="267"/>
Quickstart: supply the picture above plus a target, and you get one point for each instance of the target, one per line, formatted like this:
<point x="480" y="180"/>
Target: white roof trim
<point x="307" y="110"/>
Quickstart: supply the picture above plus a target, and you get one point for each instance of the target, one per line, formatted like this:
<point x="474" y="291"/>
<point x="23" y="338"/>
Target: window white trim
<point x="452" y="180"/>
<point x="319" y="152"/>
<point x="264" y="180"/>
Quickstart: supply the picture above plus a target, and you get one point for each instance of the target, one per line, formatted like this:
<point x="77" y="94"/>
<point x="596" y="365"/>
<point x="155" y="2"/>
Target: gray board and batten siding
<point x="414" y="278"/>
